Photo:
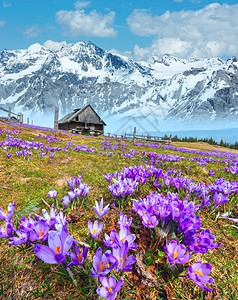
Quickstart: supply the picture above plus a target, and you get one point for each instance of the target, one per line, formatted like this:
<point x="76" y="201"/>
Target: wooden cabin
<point x="83" y="121"/>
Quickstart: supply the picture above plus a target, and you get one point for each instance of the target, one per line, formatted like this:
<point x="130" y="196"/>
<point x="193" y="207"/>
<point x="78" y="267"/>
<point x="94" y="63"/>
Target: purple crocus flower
<point x="203" y="242"/>
<point x="27" y="225"/>
<point x="108" y="176"/>
<point x="198" y="273"/>
<point x="219" y="199"/>
<point x="110" y="287"/>
<point x="71" y="183"/>
<point x="78" y="193"/>
<point x="189" y="224"/>
<point x="6" y="231"/>
<point x="109" y="241"/>
<point x="123" y="236"/>
<point x="86" y="191"/>
<point x="52" y="194"/>
<point x="120" y="259"/>
<point x="149" y="221"/>
<point x="60" y="219"/>
<point x="39" y="231"/>
<point x="50" y="217"/>
<point x="211" y="172"/>
<point x="99" y="263"/>
<point x="8" y="155"/>
<point x="176" y="253"/>
<point x="206" y="201"/>
<point x="21" y="239"/>
<point x="100" y="210"/>
<point x="123" y="222"/>
<point x="71" y="195"/>
<point x="95" y="229"/>
<point x="59" y="245"/>
<point x="7" y="214"/>
<point x="66" y="200"/>
<point x="78" y="257"/>
<point x="78" y="180"/>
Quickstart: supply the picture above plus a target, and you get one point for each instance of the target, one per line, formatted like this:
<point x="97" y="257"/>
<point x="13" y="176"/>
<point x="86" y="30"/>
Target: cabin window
<point x="76" y="118"/>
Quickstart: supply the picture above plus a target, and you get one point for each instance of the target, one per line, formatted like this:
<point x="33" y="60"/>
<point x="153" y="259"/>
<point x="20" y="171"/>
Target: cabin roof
<point x="70" y="116"/>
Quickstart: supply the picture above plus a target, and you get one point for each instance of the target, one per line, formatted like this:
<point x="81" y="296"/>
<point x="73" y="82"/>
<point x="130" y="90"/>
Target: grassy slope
<point x="23" y="276"/>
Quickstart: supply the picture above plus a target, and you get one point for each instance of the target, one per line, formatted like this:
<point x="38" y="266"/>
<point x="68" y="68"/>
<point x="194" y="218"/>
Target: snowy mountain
<point x="40" y="78"/>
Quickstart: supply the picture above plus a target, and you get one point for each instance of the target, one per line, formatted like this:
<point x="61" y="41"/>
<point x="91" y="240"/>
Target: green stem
<point x="72" y="277"/>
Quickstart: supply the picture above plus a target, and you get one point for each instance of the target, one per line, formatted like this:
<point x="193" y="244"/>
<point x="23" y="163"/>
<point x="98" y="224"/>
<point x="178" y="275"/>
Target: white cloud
<point x="31" y="32"/>
<point x="55" y="46"/>
<point x="5" y="4"/>
<point x="76" y="23"/>
<point x="2" y="23"/>
<point x="81" y="4"/>
<point x="207" y="32"/>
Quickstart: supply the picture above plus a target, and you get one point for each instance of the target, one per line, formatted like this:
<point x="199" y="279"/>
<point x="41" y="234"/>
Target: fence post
<point x="56" y="126"/>
<point x="125" y="135"/>
<point x="27" y="121"/>
<point x="9" y="114"/>
<point x="134" y="134"/>
<point x="31" y="122"/>
<point x="170" y="139"/>
<point x="21" y="118"/>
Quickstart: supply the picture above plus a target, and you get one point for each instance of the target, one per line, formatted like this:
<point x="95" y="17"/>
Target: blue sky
<point x="138" y="28"/>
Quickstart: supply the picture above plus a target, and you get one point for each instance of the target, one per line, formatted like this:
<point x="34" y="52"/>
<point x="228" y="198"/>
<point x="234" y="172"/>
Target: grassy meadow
<point x="28" y="181"/>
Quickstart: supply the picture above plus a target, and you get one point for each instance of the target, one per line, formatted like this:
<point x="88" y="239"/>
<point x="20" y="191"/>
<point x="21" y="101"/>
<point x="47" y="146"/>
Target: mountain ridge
<point x="68" y="76"/>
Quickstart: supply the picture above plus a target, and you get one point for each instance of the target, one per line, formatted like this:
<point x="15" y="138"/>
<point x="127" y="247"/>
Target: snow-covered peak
<point x="34" y="48"/>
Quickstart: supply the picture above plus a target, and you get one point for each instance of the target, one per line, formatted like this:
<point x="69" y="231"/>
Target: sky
<point x="136" y="28"/>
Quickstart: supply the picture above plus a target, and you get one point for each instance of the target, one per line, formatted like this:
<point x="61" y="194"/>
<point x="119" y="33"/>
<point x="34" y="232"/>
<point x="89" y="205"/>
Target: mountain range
<point x="68" y="76"/>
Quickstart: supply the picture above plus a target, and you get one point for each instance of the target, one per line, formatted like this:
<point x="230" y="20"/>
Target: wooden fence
<point x="148" y="138"/>
<point x="13" y="117"/>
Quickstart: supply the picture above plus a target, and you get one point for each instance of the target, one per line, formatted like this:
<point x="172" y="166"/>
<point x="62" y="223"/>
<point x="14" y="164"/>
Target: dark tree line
<point x="206" y="140"/>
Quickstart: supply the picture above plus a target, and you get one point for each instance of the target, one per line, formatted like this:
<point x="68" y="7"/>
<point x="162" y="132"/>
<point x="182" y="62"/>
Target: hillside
<point x="34" y="161"/>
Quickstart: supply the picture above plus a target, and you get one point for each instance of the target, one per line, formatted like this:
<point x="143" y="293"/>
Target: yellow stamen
<point x="109" y="289"/>
<point x="121" y="261"/>
<point x="111" y="239"/>
<point x="80" y="258"/>
<point x="4" y="229"/>
<point x="198" y="273"/>
<point x="163" y="212"/>
<point x="57" y="249"/>
<point x="123" y="223"/>
<point x="149" y="222"/>
<point x="196" y="244"/>
<point x="100" y="210"/>
<point x="101" y="266"/>
<point x="123" y="240"/>
<point x="95" y="231"/>
<point x="41" y="234"/>
<point x="175" y="254"/>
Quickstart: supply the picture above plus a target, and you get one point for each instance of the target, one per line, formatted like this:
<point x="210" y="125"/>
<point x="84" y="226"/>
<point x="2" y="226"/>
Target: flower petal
<point x="45" y="253"/>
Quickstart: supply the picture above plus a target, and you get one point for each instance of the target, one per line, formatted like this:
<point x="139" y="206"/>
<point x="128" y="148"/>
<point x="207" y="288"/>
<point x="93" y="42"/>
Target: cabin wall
<point x="73" y="125"/>
<point x="63" y="126"/>
<point x="89" y="116"/>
